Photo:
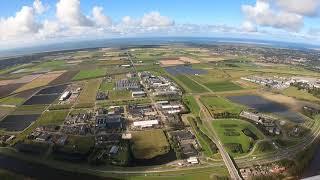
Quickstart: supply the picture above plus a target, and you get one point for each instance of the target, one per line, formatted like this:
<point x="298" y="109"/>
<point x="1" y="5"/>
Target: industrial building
<point x="65" y="96"/>
<point x="145" y="124"/>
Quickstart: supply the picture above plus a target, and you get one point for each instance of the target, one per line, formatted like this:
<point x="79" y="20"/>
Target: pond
<point x="263" y="105"/>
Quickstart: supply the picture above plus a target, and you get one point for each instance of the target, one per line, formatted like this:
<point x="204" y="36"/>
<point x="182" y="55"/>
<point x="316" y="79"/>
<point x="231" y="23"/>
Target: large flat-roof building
<point x="109" y="121"/>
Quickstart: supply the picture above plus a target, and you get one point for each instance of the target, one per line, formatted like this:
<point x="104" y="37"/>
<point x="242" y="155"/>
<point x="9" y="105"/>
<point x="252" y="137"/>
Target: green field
<point x="148" y="144"/>
<point x="52" y="118"/>
<point x="299" y="94"/>
<point x="192" y="104"/>
<point x="213" y="173"/>
<point x="106" y="86"/>
<point x="217" y="104"/>
<point x="13" y="68"/>
<point x="53" y="65"/>
<point x="223" y="86"/>
<point x="12" y="100"/>
<point x="191" y="85"/>
<point x="88" y="94"/>
<point x="80" y="144"/>
<point x="119" y="95"/>
<point x="230" y="133"/>
<point x="87" y="74"/>
<point x="263" y="147"/>
<point x="30" y="109"/>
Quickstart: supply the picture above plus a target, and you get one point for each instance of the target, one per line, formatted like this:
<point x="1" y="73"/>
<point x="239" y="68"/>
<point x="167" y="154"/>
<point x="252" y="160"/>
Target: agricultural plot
<point x="119" y="95"/>
<point x="7" y="89"/>
<point x="299" y="94"/>
<point x="213" y="74"/>
<point x="17" y="122"/>
<point x="87" y="74"/>
<point x="148" y="144"/>
<point x="237" y="136"/>
<point x="52" y="118"/>
<point x="64" y="78"/>
<point x="217" y="104"/>
<point x="106" y="86"/>
<point x="12" y="100"/>
<point x="53" y="90"/>
<point x="181" y="70"/>
<point x="88" y="94"/>
<point x="30" y="109"/>
<point x="40" y="81"/>
<point x="191" y="85"/>
<point x="41" y="99"/>
<point x="223" y="86"/>
<point x="5" y="111"/>
<point x="51" y="65"/>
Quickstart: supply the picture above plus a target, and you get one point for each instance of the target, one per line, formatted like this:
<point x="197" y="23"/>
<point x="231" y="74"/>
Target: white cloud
<point x="99" y="18"/>
<point x="248" y="26"/>
<point x="28" y="24"/>
<point x="49" y="29"/>
<point x="23" y="23"/>
<point x="302" y="7"/>
<point x="262" y="14"/>
<point x="39" y="7"/>
<point x="129" y="21"/>
<point x="154" y="19"/>
<point x="69" y="13"/>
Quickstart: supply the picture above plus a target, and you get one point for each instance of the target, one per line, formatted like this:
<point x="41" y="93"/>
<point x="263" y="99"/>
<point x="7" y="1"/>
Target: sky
<point x="34" y="22"/>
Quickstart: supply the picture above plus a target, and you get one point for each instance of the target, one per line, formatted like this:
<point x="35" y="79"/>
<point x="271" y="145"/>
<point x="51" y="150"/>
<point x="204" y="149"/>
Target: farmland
<point x="17" y="122"/>
<point x="12" y="100"/>
<point x="147" y="148"/>
<point x="88" y="95"/>
<point x="101" y="125"/>
<point x="106" y="86"/>
<point x="232" y="135"/>
<point x="223" y="86"/>
<point x="40" y="81"/>
<point x="190" y="85"/>
<point x="87" y="74"/>
<point x="30" y="109"/>
<point x="299" y="94"/>
<point x="217" y="104"/>
<point x="41" y="99"/>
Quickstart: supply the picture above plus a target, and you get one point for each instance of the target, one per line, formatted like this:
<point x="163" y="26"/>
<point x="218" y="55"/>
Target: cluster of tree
<point x="249" y="133"/>
<point x="176" y="147"/>
<point x="305" y="86"/>
<point x="310" y="112"/>
<point x="196" y="124"/>
<point x="234" y="147"/>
